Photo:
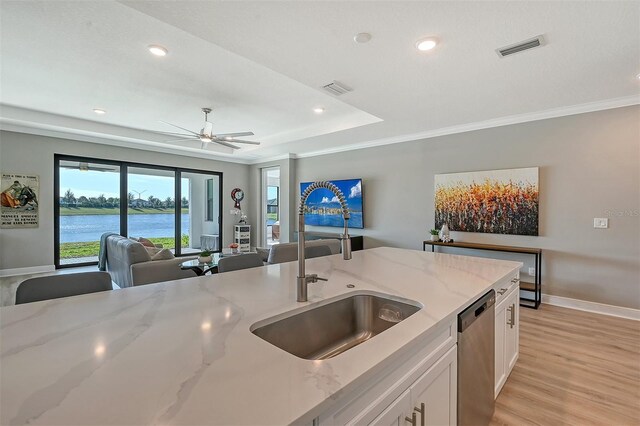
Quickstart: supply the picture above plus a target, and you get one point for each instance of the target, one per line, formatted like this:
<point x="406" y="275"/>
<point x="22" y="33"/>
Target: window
<point x="94" y="196"/>
<point x="271" y="224"/>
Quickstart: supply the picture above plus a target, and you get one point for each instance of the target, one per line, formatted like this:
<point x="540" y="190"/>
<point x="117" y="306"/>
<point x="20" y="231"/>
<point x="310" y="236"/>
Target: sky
<point x="351" y="188"/>
<point x="94" y="183"/>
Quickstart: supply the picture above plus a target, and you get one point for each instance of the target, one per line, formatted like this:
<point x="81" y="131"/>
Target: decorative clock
<point x="237" y="195"/>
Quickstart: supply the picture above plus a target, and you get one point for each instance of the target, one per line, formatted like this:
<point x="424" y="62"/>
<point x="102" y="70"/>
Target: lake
<point x="89" y="227"/>
<point x="333" y="220"/>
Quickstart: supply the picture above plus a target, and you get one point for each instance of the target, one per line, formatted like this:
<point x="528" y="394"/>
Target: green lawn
<point x="92" y="248"/>
<point x="272" y="216"/>
<point x="76" y="211"/>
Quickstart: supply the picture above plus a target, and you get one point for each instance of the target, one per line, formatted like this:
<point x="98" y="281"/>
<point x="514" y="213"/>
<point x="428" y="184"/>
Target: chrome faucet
<point x="303" y="279"/>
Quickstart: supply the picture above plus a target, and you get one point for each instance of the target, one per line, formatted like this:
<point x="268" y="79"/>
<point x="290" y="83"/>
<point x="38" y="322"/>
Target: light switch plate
<point x="600" y="222"/>
<point x="532" y="271"/>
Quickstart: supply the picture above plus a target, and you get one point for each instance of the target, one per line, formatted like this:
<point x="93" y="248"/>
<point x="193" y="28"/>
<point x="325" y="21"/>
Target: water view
<point x="81" y="228"/>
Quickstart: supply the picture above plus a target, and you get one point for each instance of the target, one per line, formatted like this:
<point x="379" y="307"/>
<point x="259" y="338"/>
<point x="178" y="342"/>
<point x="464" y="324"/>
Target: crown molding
<point x="480" y="125"/>
<point x="288" y="156"/>
<point x="9" y="126"/>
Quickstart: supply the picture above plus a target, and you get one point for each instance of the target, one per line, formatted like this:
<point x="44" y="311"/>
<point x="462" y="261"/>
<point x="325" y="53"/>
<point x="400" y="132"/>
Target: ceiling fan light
<point x="205" y="139"/>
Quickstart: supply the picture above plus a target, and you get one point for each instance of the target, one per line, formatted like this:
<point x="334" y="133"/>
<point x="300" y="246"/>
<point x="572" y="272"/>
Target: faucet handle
<point x="315" y="278"/>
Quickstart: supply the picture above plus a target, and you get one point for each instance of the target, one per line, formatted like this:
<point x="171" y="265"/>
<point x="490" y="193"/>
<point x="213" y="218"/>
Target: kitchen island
<point x="181" y="352"/>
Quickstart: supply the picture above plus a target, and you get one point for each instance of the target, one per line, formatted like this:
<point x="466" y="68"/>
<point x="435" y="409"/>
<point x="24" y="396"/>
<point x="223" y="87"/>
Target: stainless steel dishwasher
<point x="476" y="361"/>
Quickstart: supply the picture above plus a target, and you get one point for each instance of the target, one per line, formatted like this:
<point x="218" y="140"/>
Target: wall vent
<point x="336" y="88"/>
<point x="521" y="46"/>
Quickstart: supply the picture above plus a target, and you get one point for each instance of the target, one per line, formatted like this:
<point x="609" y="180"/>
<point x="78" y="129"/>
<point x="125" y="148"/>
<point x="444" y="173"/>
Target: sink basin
<point x="333" y="328"/>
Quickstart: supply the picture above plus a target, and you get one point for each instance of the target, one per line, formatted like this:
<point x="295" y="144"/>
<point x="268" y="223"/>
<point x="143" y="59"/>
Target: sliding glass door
<point x="151" y="207"/>
<point x="180" y="209"/>
<point x="89" y="205"/>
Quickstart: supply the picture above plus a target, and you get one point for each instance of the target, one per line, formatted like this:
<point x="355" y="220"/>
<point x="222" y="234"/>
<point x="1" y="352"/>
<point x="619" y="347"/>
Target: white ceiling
<point x="260" y="65"/>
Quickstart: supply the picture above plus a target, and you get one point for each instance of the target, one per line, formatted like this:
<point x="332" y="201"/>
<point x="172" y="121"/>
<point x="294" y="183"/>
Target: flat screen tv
<point x="323" y="209"/>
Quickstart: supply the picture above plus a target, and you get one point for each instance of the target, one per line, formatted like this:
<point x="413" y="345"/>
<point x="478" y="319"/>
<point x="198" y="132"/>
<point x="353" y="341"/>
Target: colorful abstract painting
<point x="495" y="201"/>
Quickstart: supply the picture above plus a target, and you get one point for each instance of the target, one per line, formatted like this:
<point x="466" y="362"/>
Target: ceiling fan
<point x="206" y="134"/>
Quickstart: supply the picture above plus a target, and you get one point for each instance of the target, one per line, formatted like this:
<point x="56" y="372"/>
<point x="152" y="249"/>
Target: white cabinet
<point x="242" y="237"/>
<point x="434" y="395"/>
<point x="394" y="414"/>
<point x="430" y="400"/>
<point x="507" y="327"/>
<point x="425" y="374"/>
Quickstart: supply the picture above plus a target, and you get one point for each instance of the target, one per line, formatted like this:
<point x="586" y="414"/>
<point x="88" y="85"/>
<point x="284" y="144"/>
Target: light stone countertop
<point x="181" y="352"/>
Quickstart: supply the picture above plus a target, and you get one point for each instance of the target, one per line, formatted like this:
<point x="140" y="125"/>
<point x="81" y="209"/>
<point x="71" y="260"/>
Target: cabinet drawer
<point x="504" y="287"/>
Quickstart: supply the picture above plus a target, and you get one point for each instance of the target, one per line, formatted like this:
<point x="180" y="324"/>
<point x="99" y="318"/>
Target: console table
<point x="534" y="287"/>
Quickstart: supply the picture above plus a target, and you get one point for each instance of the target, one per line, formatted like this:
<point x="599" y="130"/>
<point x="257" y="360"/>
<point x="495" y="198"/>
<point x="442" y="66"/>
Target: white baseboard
<point x="26" y="271"/>
<point x="598" y="308"/>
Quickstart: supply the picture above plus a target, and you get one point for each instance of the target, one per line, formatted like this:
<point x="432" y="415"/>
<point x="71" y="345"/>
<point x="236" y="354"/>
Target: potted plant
<point x="205" y="256"/>
<point x="434" y="235"/>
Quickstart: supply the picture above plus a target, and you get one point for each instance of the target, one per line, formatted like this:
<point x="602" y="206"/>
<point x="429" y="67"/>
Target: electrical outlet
<point x="600" y="222"/>
<point x="532" y="272"/>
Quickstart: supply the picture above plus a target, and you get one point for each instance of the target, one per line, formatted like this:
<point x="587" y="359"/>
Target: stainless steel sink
<point x="333" y="328"/>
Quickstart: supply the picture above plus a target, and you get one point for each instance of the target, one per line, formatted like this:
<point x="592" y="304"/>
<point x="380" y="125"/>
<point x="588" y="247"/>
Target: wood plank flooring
<point x="575" y="368"/>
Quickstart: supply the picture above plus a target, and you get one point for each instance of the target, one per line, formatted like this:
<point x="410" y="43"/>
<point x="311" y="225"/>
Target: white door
<point x="512" y="325"/>
<point x="434" y="394"/>
<point x="394" y="414"/>
<point x="500" y="324"/>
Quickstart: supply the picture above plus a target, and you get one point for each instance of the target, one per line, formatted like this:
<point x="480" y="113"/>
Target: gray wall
<point x="589" y="167"/>
<point x="22" y="153"/>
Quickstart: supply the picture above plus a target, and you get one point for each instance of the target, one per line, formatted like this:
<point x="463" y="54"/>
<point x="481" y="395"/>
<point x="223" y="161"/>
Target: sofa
<point x="130" y="264"/>
<point x="288" y="252"/>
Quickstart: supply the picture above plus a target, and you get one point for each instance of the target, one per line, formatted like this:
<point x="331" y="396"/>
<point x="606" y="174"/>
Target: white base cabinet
<point x="507" y="332"/>
<point x="430" y="400"/>
<point x="421" y="390"/>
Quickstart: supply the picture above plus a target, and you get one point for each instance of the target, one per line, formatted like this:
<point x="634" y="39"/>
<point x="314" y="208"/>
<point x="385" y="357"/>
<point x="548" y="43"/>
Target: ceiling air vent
<point x="521" y="46"/>
<point x="336" y="88"/>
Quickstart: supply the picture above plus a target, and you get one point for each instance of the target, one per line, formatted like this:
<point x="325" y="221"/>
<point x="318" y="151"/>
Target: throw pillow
<point x="152" y="250"/>
<point x="164" y="254"/>
<point x="145" y="242"/>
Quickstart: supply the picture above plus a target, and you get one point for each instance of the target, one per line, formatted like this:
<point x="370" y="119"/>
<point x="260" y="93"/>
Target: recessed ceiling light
<point x="362" y="37"/>
<point x="99" y="111"/>
<point x="158" y="50"/>
<point x="318" y="110"/>
<point x="638" y="76"/>
<point x="426" y="44"/>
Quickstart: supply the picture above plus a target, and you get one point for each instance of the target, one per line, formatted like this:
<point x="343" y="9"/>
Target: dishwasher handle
<point x="473" y="312"/>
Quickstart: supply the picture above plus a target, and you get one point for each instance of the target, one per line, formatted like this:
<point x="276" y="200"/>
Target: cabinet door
<point x="395" y="413"/>
<point x="512" y="335"/>
<point x="434" y="394"/>
<point x="500" y="329"/>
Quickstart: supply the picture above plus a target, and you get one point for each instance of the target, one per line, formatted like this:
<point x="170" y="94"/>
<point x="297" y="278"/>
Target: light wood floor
<point x="575" y="368"/>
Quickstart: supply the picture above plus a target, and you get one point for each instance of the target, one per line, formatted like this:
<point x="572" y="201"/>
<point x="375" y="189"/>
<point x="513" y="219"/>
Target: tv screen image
<point x="323" y="208"/>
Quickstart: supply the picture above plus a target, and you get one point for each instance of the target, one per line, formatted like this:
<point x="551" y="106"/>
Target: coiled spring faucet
<point x="303" y="279"/>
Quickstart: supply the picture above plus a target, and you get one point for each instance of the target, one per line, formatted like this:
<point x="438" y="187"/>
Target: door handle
<point x="512" y="317"/>
<point x="421" y="411"/>
<point x="411" y="419"/>
<point x="502" y="291"/>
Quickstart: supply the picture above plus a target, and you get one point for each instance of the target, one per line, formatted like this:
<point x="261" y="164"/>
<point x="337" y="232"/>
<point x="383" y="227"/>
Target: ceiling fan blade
<point x="181" y="128"/>
<point x="241" y="141"/>
<point x="232" y="135"/>
<point x="225" y="144"/>
<point x="182" y="140"/>
<point x="174" y="134"/>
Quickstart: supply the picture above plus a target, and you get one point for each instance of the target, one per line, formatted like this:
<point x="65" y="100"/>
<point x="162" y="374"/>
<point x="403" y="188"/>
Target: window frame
<point x="124" y="169"/>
